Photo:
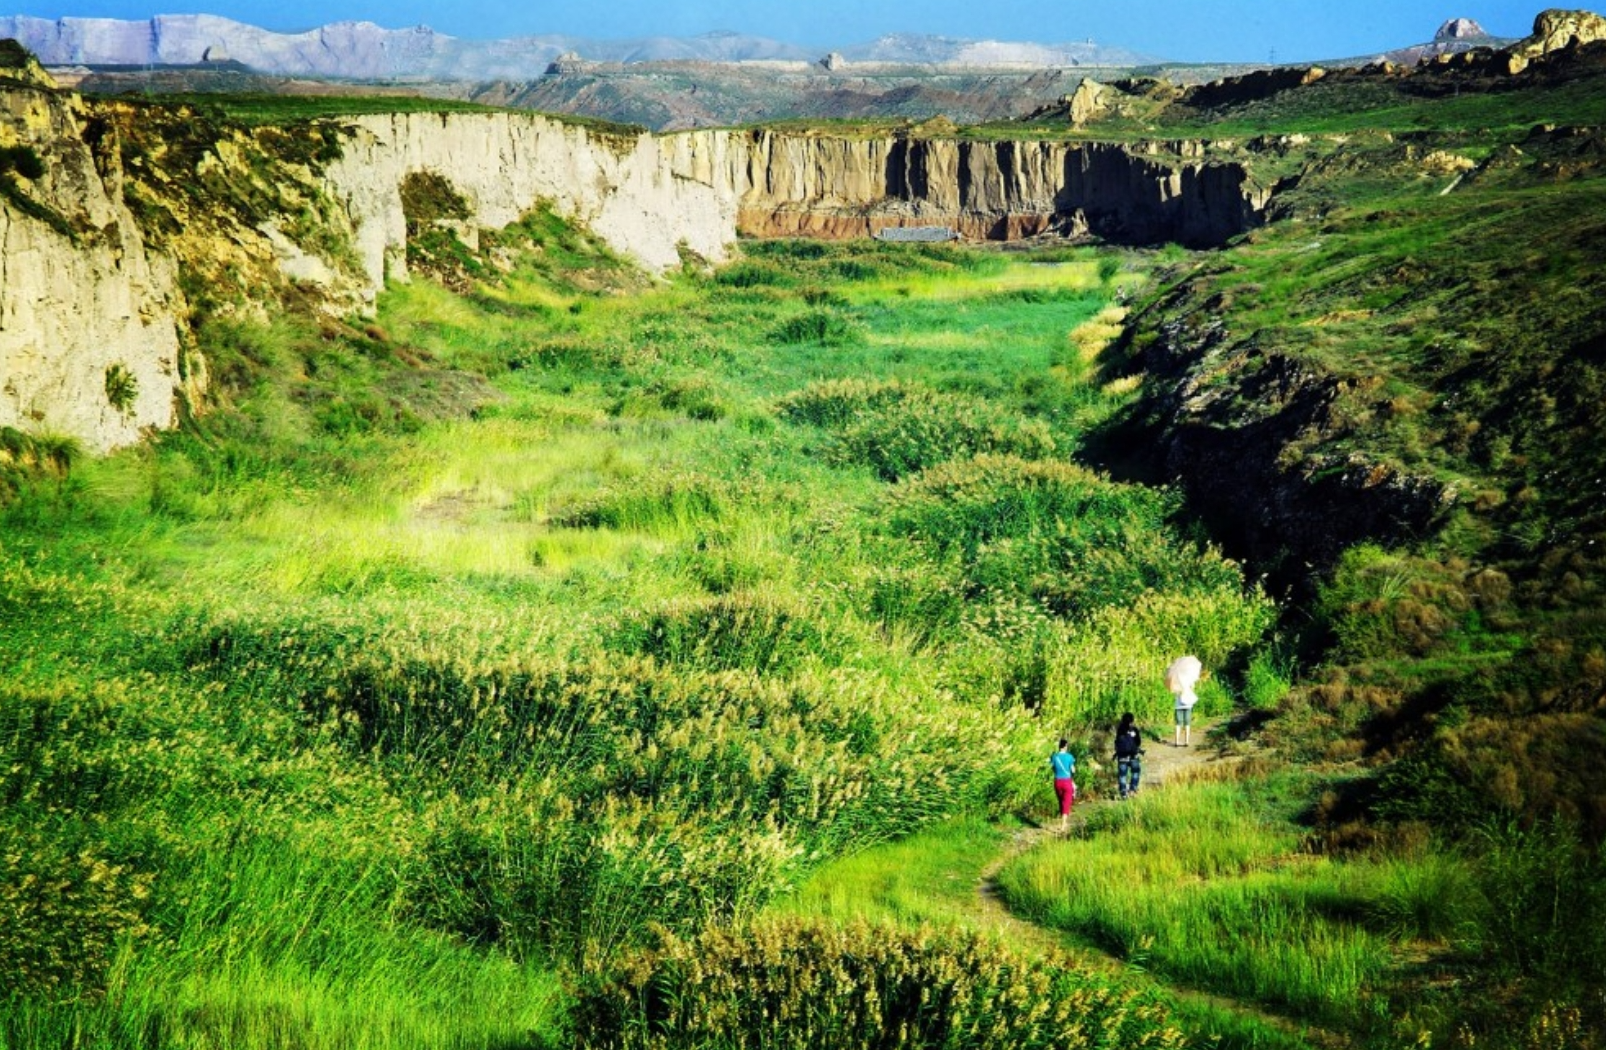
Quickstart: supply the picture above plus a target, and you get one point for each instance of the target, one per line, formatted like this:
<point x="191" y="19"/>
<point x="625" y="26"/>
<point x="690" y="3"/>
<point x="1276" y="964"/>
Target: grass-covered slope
<point x="1389" y="400"/>
<point x="1410" y="358"/>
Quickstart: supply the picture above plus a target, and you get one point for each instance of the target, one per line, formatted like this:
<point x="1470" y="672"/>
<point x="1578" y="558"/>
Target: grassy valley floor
<point x="590" y="660"/>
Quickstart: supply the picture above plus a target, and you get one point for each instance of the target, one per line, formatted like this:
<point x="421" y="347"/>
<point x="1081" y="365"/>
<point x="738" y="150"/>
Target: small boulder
<point x="1087" y="102"/>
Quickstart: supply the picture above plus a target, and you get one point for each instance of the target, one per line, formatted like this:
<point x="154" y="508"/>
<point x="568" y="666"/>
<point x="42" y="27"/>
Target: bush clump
<point x="63" y="911"/>
<point x="1069" y="539"/>
<point x="732" y="632"/>
<point x="899" y="429"/>
<point x="824" y="327"/>
<point x="664" y="501"/>
<point x="796" y="983"/>
<point x="25" y="457"/>
<point x="567" y="786"/>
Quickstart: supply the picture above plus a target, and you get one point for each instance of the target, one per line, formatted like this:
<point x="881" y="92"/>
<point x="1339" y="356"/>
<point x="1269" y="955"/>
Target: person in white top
<point x="1180" y="679"/>
<point x="1185" y="702"/>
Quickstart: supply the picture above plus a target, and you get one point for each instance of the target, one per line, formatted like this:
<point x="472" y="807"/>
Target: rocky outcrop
<point x="1235" y="91"/>
<point x="1086" y="102"/>
<point x="1556" y="29"/>
<point x="1223" y="424"/>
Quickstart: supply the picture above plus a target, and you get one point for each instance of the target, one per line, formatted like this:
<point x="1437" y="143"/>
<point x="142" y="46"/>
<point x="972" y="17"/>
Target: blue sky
<point x="1185" y="30"/>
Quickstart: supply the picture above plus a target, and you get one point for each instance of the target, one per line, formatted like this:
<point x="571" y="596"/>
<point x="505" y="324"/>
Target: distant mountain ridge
<point x="367" y="50"/>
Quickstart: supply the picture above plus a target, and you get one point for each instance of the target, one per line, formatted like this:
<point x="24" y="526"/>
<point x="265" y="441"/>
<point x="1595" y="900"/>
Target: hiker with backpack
<point x="1128" y="756"/>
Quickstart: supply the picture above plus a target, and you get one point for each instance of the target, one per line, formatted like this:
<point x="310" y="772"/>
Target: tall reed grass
<point x="788" y="983"/>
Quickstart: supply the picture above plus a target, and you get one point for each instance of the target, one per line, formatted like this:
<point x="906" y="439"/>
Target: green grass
<point x="932" y="877"/>
<point x="1191" y="883"/>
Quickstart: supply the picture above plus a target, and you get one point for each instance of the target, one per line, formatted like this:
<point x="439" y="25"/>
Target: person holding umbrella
<point x="1180" y="678"/>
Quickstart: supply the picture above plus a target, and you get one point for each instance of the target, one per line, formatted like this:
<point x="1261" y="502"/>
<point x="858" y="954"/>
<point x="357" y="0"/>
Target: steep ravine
<point x="1252" y="436"/>
<point x="136" y="202"/>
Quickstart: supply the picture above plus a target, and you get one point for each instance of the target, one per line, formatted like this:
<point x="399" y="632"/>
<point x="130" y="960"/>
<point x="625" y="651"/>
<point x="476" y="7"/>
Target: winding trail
<point x="1161" y="762"/>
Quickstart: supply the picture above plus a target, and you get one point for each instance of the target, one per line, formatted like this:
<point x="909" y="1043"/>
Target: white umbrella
<point x="1183" y="674"/>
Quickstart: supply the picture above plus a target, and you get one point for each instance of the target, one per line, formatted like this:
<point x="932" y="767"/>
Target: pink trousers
<point x="1066" y="790"/>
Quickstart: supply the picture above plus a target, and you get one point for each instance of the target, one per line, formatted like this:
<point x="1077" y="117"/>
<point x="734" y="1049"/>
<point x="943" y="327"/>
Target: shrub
<point x="1267" y="679"/>
<point x="920" y="602"/>
<point x="24" y="160"/>
<point x="121" y="387"/>
<point x="695" y="396"/>
<point x="823" y="327"/>
<point x="754" y="275"/>
<point x="837" y="402"/>
<point x="427" y="198"/>
<point x="24" y="457"/>
<point x="731" y="632"/>
<point x="667" y="500"/>
<point x="900" y="429"/>
<point x="963" y="506"/>
<point x="929" y="429"/>
<point x="1543" y="905"/>
<point x="1070" y="540"/>
<point x="566" y="787"/>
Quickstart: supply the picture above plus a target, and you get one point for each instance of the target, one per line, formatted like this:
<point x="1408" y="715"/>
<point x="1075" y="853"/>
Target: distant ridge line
<point x="365" y="49"/>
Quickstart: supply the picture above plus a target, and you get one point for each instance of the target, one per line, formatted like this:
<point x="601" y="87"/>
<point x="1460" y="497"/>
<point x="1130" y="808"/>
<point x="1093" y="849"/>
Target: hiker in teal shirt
<point x="1063" y="763"/>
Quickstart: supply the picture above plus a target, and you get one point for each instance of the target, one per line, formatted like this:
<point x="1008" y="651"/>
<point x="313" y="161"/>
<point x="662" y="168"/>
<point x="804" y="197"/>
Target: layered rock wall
<point x="819" y="186"/>
<point x="644" y="195"/>
<point x="653" y="196"/>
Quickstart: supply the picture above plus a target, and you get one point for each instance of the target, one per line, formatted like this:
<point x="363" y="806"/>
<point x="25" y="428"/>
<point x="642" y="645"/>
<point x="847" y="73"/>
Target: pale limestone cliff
<point x="90" y="338"/>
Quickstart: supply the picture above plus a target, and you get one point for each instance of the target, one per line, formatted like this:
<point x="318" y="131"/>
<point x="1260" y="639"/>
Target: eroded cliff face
<point x="90" y="330"/>
<point x="818" y="186"/>
<point x="1255" y="438"/>
<point x="653" y="196"/>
